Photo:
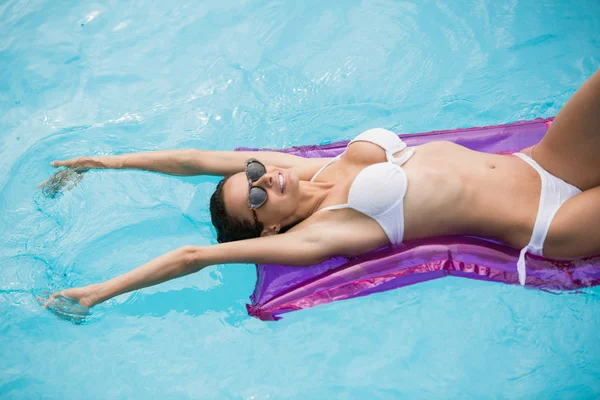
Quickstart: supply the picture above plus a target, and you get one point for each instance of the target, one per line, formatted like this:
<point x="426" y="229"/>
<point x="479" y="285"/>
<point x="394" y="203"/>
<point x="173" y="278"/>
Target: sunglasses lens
<point x="255" y="170"/>
<point x="257" y="197"/>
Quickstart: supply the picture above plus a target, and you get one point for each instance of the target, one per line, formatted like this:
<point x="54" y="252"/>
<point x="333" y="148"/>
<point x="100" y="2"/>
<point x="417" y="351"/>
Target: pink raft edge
<point x="280" y="289"/>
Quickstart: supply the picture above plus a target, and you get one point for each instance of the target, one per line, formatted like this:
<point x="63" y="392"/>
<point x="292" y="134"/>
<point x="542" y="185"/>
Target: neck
<point x="312" y="195"/>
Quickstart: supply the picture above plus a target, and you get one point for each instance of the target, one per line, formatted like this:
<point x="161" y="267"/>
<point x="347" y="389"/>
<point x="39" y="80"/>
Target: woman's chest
<point x="367" y="188"/>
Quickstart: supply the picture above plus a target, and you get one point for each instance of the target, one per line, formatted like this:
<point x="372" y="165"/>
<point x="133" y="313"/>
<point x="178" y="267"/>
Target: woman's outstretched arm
<point x="190" y="259"/>
<point x="175" y="162"/>
<point x="302" y="247"/>
<point x="186" y="162"/>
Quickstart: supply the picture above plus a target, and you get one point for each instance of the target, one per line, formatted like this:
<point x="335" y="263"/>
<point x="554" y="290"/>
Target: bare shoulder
<point x="336" y="233"/>
<point x="306" y="244"/>
<point x="344" y="232"/>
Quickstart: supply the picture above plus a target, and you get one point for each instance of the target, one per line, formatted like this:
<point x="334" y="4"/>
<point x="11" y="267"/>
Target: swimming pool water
<point x="107" y="77"/>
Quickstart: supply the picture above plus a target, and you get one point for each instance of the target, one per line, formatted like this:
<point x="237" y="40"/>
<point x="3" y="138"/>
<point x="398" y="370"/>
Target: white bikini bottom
<point x="554" y="193"/>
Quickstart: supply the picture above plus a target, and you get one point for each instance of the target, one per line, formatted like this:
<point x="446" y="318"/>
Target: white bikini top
<point x="378" y="190"/>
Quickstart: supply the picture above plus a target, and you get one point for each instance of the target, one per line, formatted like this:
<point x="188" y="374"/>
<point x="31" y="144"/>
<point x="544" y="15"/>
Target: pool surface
<point x="109" y="77"/>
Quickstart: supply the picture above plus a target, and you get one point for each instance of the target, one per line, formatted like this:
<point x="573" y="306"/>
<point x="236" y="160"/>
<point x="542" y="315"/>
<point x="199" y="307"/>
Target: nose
<point x="265" y="181"/>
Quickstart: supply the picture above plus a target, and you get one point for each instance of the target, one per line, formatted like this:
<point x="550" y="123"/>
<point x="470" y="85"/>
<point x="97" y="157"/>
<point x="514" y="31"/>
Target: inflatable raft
<point x="280" y="289"/>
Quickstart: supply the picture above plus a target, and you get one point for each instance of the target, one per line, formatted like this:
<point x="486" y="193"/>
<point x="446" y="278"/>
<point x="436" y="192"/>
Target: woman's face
<point x="282" y="187"/>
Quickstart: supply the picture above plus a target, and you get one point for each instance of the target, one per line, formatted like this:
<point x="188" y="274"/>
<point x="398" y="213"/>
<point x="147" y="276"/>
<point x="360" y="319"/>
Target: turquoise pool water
<point x="106" y="77"/>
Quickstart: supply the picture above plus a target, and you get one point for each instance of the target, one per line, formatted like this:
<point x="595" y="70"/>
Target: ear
<point x="271" y="230"/>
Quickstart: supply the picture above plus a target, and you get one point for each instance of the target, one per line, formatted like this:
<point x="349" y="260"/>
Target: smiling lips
<point x="281" y="182"/>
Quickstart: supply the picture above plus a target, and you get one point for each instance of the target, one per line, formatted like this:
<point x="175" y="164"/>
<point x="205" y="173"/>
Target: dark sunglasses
<point x="257" y="196"/>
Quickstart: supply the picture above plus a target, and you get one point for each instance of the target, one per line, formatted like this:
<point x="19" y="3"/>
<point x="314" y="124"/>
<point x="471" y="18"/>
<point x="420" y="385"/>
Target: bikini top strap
<point x="326" y="165"/>
<point x="335" y="207"/>
<point x="402" y="159"/>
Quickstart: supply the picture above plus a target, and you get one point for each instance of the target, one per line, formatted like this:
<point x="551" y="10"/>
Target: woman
<point x="284" y="209"/>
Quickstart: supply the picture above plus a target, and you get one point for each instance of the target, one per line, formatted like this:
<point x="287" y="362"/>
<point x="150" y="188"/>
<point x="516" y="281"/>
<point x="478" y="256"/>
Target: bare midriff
<point x="456" y="191"/>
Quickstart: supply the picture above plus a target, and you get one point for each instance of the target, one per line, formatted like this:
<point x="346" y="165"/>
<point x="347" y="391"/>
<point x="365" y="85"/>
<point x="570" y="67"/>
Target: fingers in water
<point x="67" y="308"/>
<point x="63" y="180"/>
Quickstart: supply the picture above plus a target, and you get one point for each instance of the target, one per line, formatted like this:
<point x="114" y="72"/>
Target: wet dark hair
<point x="230" y="229"/>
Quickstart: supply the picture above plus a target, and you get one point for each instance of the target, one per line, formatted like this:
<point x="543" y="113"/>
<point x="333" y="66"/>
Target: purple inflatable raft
<point x="281" y="289"/>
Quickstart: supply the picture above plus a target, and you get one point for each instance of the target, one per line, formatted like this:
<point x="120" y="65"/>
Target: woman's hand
<point x="84" y="296"/>
<point x="67" y="179"/>
<point x="61" y="181"/>
<point x="71" y="304"/>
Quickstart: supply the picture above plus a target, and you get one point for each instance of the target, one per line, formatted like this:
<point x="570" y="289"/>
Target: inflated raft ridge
<point x="280" y="289"/>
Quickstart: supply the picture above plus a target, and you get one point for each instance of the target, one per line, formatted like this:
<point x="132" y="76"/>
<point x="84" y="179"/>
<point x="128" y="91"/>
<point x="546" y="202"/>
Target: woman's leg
<point x="570" y="149"/>
<point x="575" y="230"/>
